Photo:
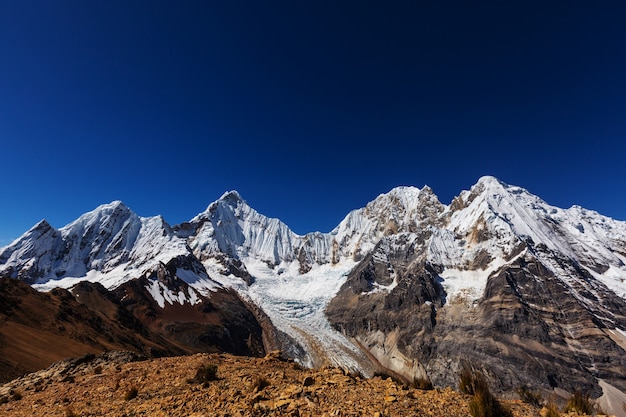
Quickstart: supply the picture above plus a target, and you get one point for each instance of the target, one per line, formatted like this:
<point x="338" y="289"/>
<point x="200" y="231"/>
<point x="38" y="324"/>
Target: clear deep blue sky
<point x="308" y="109"/>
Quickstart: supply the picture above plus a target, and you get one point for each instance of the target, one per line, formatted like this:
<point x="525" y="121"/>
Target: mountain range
<point x="533" y="295"/>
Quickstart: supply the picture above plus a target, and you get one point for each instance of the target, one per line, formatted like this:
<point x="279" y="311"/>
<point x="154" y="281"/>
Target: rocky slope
<point x="118" y="384"/>
<point x="406" y="284"/>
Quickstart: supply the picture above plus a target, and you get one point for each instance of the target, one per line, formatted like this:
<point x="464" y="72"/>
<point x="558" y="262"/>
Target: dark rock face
<point x="363" y="303"/>
<point x="526" y="330"/>
<point x="219" y="323"/>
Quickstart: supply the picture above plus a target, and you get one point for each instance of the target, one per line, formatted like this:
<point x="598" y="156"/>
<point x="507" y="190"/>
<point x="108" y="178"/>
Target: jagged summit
<point x="37" y="230"/>
<point x="487" y="180"/>
<point x="231" y="196"/>
<point x="41" y="225"/>
<point x="230" y="226"/>
<point x="115" y="206"/>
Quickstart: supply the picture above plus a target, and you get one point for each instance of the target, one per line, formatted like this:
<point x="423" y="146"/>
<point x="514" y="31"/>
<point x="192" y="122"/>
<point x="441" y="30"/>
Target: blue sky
<point x="308" y="109"/>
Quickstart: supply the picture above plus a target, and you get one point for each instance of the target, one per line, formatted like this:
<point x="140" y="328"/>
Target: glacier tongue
<point x="295" y="303"/>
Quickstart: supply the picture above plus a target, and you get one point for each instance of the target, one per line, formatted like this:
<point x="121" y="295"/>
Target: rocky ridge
<point x="38" y="328"/>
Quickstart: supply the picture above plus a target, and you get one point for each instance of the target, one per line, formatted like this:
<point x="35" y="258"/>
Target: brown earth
<point x="37" y="329"/>
<point x="102" y="386"/>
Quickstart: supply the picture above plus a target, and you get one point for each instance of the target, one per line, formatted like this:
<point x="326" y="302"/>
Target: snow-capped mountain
<point x="491" y="223"/>
<point x="110" y="245"/>
<point x="500" y="279"/>
<point x="406" y="279"/>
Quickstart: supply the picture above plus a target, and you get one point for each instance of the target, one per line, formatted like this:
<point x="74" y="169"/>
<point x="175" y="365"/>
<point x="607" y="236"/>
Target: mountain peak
<point x="232" y="195"/>
<point x="491" y="187"/>
<point x="407" y="196"/>
<point x="35" y="232"/>
<point x="115" y="205"/>
<point x="114" y="209"/>
<point x="489" y="181"/>
<point x="406" y="189"/>
<point x="41" y="225"/>
<point x="228" y="199"/>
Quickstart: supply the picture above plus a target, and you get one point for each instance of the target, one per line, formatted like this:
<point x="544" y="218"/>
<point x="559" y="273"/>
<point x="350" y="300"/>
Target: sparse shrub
<point x="205" y="373"/>
<point x="384" y="375"/>
<point x="4" y="400"/>
<point x="422" y="383"/>
<point x="258" y="384"/>
<point x="97" y="370"/>
<point x="483" y="403"/>
<point x="529" y="397"/>
<point x="579" y="403"/>
<point x="466" y="384"/>
<point x="131" y="393"/>
<point x="69" y="412"/>
<point x="552" y="410"/>
<point x="354" y="374"/>
<point x="16" y="396"/>
<point x="309" y="380"/>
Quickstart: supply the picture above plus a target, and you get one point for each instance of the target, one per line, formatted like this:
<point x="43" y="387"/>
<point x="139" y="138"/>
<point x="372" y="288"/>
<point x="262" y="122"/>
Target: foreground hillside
<point x="118" y="384"/>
